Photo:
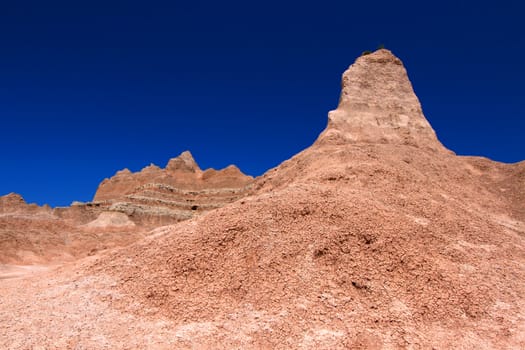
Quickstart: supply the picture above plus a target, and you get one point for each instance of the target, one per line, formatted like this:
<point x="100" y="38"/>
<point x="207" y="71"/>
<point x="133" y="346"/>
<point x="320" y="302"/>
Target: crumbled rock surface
<point x="375" y="237"/>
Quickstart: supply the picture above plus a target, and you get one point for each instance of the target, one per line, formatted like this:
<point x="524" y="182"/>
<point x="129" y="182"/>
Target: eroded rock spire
<point x="378" y="105"/>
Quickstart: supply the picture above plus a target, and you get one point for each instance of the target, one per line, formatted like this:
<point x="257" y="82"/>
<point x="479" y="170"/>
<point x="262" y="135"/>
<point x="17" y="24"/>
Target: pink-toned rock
<point x="125" y="207"/>
<point x="13" y="202"/>
<point x="375" y="237"/>
<point x="182" y="190"/>
<point x="32" y="234"/>
<point x="183" y="163"/>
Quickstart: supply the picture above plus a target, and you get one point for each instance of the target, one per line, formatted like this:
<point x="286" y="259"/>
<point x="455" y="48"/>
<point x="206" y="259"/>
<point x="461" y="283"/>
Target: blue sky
<point x="88" y="88"/>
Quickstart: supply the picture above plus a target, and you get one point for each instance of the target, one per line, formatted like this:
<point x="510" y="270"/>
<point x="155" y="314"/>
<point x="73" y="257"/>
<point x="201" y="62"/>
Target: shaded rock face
<point x="156" y="196"/>
<point x="378" y="105"/>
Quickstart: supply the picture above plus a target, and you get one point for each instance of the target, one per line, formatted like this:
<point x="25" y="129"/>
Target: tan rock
<point x="111" y="219"/>
<point x="378" y="105"/>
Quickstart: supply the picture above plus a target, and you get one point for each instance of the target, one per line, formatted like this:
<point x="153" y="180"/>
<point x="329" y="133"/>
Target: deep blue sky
<point x="89" y="88"/>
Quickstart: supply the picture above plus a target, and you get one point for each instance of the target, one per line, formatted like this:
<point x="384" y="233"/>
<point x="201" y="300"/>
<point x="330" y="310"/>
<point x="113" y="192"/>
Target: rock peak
<point x="11" y="201"/>
<point x="184" y="162"/>
<point x="378" y="105"/>
<point x="13" y="196"/>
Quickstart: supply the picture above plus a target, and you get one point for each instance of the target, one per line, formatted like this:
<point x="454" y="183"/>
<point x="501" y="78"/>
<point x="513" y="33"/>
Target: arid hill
<point x="375" y="237"/>
<point x="30" y="234"/>
<point x="124" y="209"/>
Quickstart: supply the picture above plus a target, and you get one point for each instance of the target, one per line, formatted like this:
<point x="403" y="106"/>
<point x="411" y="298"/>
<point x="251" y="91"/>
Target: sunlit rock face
<point x="378" y="105"/>
<point x="156" y="196"/>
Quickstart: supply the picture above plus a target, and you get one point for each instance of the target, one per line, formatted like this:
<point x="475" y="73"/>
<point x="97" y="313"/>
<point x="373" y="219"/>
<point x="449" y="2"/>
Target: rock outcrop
<point x="13" y="203"/>
<point x="110" y="219"/>
<point x="125" y="207"/>
<point x="378" y="105"/>
<point x="156" y="196"/>
<point x="32" y="234"/>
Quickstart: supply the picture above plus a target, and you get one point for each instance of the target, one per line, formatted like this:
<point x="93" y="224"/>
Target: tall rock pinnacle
<point x="378" y="105"/>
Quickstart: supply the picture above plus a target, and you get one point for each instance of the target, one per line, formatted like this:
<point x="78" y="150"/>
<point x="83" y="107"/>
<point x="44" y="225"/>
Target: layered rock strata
<point x="156" y="196"/>
<point x="125" y="207"/>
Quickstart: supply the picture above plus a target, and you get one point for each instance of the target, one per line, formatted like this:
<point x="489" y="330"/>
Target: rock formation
<point x="378" y="105"/>
<point x="13" y="203"/>
<point x="158" y="196"/>
<point x="111" y="219"/>
<point x="375" y="237"/>
<point x="125" y="207"/>
<point x="30" y="234"/>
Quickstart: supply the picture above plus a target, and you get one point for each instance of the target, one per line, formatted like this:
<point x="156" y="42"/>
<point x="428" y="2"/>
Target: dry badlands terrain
<point x="375" y="237"/>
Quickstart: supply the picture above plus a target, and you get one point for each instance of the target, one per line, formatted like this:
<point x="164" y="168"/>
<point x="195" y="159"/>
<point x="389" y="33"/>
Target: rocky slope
<point x="30" y="234"/>
<point x="125" y="207"/>
<point x="375" y="237"/>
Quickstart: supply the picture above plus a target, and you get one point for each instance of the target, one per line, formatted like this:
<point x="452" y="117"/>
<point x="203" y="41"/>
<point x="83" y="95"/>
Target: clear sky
<point x="88" y="88"/>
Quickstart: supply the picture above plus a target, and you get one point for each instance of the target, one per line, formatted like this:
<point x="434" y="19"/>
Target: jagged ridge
<point x="175" y="193"/>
